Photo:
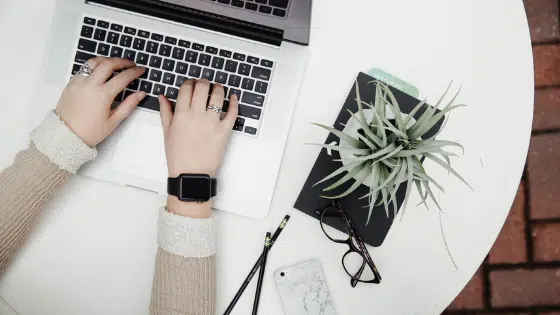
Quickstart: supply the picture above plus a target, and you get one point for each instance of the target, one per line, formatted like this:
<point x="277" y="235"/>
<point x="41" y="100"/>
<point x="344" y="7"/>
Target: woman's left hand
<point x="85" y="104"/>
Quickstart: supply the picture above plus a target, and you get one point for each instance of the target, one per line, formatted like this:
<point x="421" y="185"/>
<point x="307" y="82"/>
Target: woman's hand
<point x="195" y="138"/>
<point x="85" y="104"/>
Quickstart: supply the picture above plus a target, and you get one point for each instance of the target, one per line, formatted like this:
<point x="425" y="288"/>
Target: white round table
<point x="93" y="251"/>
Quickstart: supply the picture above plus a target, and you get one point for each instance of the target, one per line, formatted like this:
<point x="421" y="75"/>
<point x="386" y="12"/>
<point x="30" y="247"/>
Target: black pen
<point x="261" y="274"/>
<point x="256" y="266"/>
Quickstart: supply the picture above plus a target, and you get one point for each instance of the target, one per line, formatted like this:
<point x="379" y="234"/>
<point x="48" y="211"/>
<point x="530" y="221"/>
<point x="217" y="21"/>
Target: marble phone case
<point x="303" y="289"/>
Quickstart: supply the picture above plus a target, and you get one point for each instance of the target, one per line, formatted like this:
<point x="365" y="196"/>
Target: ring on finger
<point x="214" y="108"/>
<point x="85" y="70"/>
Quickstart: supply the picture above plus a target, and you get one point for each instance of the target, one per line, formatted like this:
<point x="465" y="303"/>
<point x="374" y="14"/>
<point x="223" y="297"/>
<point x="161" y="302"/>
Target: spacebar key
<point x="250" y="112"/>
<point x="82" y="57"/>
<point x="149" y="102"/>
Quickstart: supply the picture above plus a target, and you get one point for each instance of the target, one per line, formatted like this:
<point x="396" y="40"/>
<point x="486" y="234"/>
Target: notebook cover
<point x="309" y="201"/>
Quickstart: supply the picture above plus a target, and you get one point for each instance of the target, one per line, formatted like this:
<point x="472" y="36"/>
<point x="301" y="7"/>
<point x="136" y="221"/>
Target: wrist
<point x="189" y="209"/>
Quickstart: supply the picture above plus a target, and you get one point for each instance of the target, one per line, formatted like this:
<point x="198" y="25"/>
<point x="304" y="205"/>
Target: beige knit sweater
<point x="184" y="278"/>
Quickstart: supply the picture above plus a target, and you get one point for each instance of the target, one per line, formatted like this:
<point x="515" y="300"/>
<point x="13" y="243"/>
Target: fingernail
<point x="234" y="96"/>
<point x="143" y="94"/>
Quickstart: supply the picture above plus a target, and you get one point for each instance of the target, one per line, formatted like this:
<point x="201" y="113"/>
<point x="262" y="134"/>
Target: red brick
<point x="545" y="241"/>
<point x="472" y="295"/>
<point x="543" y="19"/>
<point x="544" y="176"/>
<point x="547" y="109"/>
<point x="510" y="247"/>
<point x="547" y="65"/>
<point x="524" y="288"/>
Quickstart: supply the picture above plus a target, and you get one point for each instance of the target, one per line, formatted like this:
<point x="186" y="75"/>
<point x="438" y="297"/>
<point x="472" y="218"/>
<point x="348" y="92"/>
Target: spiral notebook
<point x="308" y="201"/>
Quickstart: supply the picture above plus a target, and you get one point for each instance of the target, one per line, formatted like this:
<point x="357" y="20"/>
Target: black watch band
<point x="192" y="187"/>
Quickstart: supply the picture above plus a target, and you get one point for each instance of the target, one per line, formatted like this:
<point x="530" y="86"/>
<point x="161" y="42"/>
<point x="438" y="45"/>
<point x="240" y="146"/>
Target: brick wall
<point x="521" y="275"/>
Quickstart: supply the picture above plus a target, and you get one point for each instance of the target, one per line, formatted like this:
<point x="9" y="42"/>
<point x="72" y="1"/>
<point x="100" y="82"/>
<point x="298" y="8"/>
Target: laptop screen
<point x="289" y="19"/>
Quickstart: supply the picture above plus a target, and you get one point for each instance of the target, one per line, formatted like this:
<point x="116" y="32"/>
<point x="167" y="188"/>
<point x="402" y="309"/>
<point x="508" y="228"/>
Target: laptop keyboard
<point x="277" y="8"/>
<point x="170" y="60"/>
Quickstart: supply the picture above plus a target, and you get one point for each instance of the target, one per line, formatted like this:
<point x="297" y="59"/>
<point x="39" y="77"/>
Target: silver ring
<point x="214" y="108"/>
<point x="85" y="70"/>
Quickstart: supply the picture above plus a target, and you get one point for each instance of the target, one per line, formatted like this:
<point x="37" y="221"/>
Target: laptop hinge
<point x="199" y="18"/>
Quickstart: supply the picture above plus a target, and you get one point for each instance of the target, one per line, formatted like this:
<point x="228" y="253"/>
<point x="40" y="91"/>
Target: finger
<point x="233" y="111"/>
<point x="126" y="107"/>
<point x="93" y="63"/>
<point x="217" y="99"/>
<point x="200" y="96"/>
<point x="165" y="113"/>
<point x="106" y="68"/>
<point x="123" y="79"/>
<point x="185" y="96"/>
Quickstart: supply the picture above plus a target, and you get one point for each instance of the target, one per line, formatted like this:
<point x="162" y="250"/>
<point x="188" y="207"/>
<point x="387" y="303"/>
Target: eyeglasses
<point x="356" y="262"/>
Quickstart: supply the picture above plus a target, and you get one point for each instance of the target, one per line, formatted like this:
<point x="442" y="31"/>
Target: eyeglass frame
<point x="362" y="250"/>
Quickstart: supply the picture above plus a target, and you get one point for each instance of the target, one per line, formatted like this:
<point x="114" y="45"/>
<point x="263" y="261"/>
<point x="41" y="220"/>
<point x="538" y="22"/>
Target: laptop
<point x="254" y="48"/>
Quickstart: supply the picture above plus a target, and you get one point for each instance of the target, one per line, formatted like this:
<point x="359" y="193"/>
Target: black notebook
<point x="308" y="201"/>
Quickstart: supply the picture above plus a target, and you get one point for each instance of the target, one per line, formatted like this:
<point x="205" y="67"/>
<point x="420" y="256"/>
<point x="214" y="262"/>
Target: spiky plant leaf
<point x="346" y="177"/>
<point x="360" y="178"/>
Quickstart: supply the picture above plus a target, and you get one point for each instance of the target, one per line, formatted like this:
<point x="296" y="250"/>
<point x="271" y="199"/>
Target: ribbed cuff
<point x="55" y="140"/>
<point x="186" y="237"/>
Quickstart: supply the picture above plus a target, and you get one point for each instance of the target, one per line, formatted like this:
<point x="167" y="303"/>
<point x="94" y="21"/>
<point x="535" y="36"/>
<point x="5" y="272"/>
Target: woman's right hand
<point x="195" y="138"/>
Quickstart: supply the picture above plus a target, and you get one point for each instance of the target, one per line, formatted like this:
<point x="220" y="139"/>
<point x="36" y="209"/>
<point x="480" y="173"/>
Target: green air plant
<point x="389" y="151"/>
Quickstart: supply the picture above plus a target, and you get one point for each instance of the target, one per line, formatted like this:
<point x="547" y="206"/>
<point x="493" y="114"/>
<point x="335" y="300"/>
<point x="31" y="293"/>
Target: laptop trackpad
<point x="140" y="151"/>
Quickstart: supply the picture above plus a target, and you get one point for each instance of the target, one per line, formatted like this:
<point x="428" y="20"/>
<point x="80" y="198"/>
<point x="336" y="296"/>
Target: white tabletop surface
<point x="93" y="251"/>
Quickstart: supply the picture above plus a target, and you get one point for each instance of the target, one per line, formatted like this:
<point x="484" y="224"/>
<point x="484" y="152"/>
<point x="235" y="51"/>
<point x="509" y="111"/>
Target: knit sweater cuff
<point x="60" y="145"/>
<point x="186" y="237"/>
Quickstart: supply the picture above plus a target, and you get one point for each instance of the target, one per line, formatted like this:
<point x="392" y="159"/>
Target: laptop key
<point x="100" y="34"/>
<point x="224" y="1"/>
<point x="145" y="74"/>
<point x="152" y="47"/>
<point x="126" y="41"/>
<point x="194" y="71"/>
<point x="244" y="69"/>
<point x="279" y="3"/>
<point x="198" y="47"/>
<point x="103" y="24"/>
<point x="165" y="50"/>
<point x="178" y="53"/>
<point x="221" y="77"/>
<point x="168" y="65"/>
<point x="262" y="1"/>
<point x="208" y="74"/>
<point x="251" y="6"/>
<point x="171" y="40"/>
<point x="237" y="3"/>
<point x="253" y="99"/>
<point x="155" y="75"/>
<point x="144" y="34"/>
<point x="88" y="20"/>
<point x="139" y="44"/>
<point x="134" y="85"/>
<point x="116" y="27"/>
<point x="130" y="55"/>
<point x="181" y="68"/>
<point x="191" y="56"/>
<point x="254" y="60"/>
<point x="155" y="61"/>
<point x="234" y="91"/>
<point x="172" y="93"/>
<point x="204" y="60"/>
<point x="180" y="80"/>
<point x="248" y="84"/>
<point x="261" y="87"/>
<point x="279" y="12"/>
<point x="159" y="89"/>
<point x="239" y="122"/>
<point x="265" y="9"/>
<point x="146" y="86"/>
<point x="250" y="130"/>
<point x="130" y="30"/>
<point x="234" y="80"/>
<point x="168" y="78"/>
<point x="103" y="49"/>
<point x="184" y="43"/>
<point x="75" y="68"/>
<point x="218" y="63"/>
<point x="261" y="73"/>
<point x="149" y="102"/>
<point x="116" y="52"/>
<point x="87" y="45"/>
<point x="238" y="56"/>
<point x="266" y="63"/>
<point x="211" y="50"/>
<point x="249" y="111"/>
<point x="225" y="53"/>
<point x="87" y="31"/>
<point x="142" y="59"/>
<point x="157" y="37"/>
<point x="113" y="38"/>
<point x="231" y="66"/>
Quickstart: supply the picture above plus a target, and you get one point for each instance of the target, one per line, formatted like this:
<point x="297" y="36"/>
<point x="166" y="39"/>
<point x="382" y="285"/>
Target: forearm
<point x="54" y="153"/>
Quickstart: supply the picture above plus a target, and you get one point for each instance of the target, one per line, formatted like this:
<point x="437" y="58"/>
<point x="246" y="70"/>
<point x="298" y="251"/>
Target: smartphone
<point x="303" y="289"/>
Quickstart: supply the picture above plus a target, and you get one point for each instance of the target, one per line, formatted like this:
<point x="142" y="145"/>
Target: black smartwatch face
<point x="195" y="188"/>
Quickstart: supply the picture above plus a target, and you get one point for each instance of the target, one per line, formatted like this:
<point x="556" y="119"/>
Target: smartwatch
<point x="192" y="187"/>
